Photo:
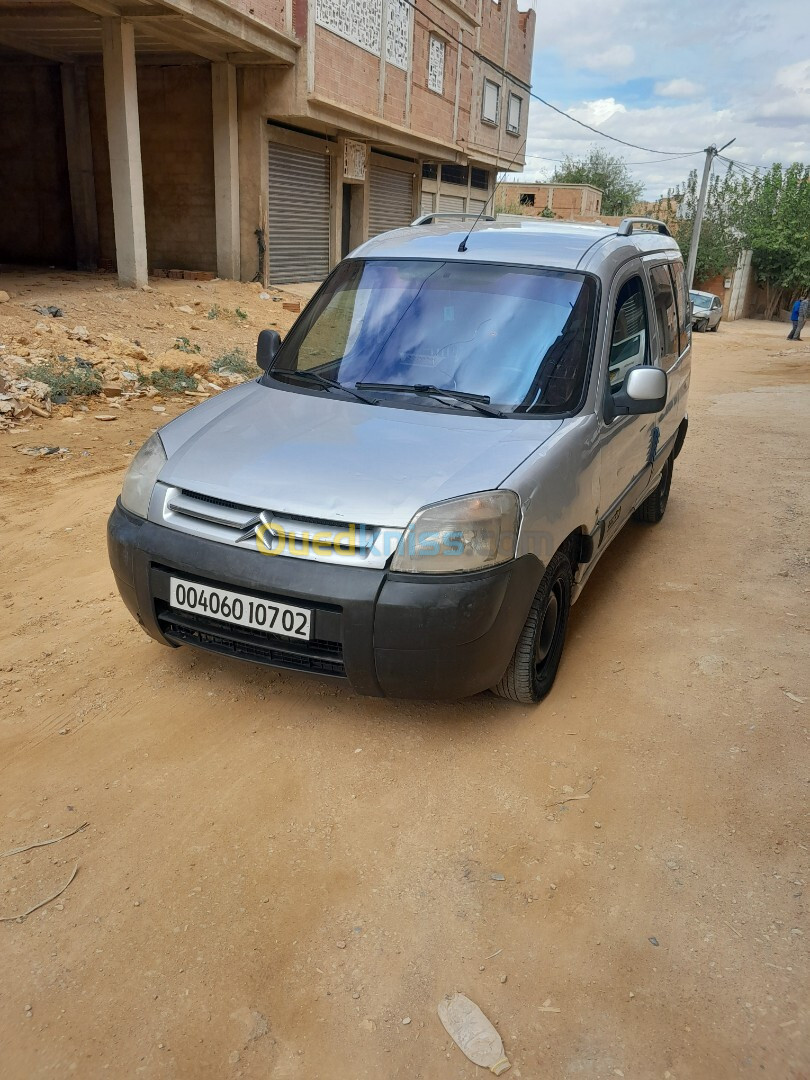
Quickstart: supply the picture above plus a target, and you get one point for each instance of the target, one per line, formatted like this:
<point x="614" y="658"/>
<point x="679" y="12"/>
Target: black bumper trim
<point x="392" y="635"/>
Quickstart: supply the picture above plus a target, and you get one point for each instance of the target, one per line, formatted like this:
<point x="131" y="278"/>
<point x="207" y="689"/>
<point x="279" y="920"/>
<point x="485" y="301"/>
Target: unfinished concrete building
<point x="571" y="202"/>
<point x="248" y="138"/>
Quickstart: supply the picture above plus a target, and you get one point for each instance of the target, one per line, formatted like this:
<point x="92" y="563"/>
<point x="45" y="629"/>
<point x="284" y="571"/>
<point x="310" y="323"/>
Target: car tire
<point x="655" y="505"/>
<point x="716" y="326"/>
<point x="536" y="658"/>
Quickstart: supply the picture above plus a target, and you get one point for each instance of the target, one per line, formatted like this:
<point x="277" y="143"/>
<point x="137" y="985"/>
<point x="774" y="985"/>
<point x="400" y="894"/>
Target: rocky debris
<point x="42" y="451"/>
<point x="21" y="399"/>
<point x="79" y="333"/>
<point x="4" y="297"/>
<point x="51" y="310"/>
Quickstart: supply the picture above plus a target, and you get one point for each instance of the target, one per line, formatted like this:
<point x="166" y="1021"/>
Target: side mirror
<point x="266" y="348"/>
<point x="644" y="391"/>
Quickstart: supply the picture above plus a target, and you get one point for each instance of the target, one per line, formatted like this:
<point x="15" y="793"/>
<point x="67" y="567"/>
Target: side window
<point x="666" y="315"/>
<point x="682" y="297"/>
<point x="628" y="346"/>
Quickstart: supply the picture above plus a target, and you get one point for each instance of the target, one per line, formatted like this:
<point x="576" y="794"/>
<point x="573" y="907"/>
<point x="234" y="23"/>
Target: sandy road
<point x="277" y="873"/>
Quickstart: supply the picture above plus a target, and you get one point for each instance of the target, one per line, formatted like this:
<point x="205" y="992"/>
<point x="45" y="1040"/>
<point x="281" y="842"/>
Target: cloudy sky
<point x="672" y="76"/>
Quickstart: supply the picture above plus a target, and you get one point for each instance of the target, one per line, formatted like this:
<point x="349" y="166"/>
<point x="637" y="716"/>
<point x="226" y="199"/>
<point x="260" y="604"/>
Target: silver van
<point x="422" y="479"/>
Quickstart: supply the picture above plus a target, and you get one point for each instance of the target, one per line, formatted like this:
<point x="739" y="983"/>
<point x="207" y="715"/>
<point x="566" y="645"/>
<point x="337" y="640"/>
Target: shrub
<point x="241" y="315"/>
<point x="168" y="380"/>
<point x="184" y="345"/>
<point x="234" y="362"/>
<point x="66" y="378"/>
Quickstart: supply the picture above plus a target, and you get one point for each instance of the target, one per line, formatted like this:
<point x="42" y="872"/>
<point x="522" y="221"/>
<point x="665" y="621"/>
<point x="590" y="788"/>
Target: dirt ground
<point x="281" y="879"/>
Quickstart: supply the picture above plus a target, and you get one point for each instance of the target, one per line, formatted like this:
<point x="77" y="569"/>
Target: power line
<point x="613" y="138"/>
<point x="747" y="170"/>
<point x="525" y="86"/>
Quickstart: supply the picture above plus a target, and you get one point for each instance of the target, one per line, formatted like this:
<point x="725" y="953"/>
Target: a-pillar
<point x="226" y="168"/>
<point x="80" y="166"/>
<point x="124" y="139"/>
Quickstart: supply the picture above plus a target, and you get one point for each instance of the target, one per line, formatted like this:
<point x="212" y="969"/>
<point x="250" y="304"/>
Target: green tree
<point x="620" y="192"/>
<point x="775" y="220"/>
<point x="721" y="238"/>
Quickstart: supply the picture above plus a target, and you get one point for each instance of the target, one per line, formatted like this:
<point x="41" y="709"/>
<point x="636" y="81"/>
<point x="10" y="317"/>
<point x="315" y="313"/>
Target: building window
<point x="527" y="199"/>
<point x="479" y="178"/>
<point x="397" y="33"/>
<point x="455" y="174"/>
<point x="436" y="65"/>
<point x="430" y="171"/>
<point x="356" y="20"/>
<point x="491" y="102"/>
<point x="513" y="114"/>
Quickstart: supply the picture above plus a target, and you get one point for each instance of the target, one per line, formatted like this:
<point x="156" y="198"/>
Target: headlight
<point x="470" y="533"/>
<point x="141" y="476"/>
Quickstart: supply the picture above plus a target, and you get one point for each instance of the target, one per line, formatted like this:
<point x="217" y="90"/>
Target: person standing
<point x="798" y="316"/>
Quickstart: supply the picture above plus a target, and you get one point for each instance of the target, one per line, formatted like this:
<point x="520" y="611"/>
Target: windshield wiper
<point x="319" y="380"/>
<point x="478" y="401"/>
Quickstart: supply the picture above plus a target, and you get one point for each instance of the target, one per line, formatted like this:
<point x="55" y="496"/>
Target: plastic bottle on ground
<point x="472" y="1033"/>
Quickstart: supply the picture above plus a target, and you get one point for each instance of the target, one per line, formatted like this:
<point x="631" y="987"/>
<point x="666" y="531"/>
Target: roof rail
<point x="626" y="227"/>
<point x="428" y="219"/>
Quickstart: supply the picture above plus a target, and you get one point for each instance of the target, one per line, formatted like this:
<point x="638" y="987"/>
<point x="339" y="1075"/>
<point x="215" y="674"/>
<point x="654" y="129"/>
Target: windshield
<point x="517" y="337"/>
<point x="700" y="301"/>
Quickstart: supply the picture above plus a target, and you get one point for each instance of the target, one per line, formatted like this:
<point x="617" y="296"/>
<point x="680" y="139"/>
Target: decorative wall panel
<point x="436" y="65"/>
<point x="358" y="21"/>
<point x="396" y="43"/>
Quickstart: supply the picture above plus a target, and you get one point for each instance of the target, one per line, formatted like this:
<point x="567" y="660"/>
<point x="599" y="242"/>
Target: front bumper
<point x="392" y="635"/>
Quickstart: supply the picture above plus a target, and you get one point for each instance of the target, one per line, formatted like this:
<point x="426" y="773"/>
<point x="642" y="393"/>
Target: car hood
<point x="324" y="457"/>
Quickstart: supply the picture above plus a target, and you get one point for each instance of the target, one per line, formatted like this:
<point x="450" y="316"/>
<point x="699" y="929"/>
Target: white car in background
<point x="707" y="310"/>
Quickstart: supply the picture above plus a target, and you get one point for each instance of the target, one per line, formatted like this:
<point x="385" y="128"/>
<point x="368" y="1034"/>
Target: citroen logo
<point x="260" y="527"/>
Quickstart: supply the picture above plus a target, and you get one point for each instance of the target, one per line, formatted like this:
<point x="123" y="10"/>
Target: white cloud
<point x="612" y="59"/>
<point x="699" y="74"/>
<point x="678" y="88"/>
<point x="791" y="103"/>
<point x="597" y="112"/>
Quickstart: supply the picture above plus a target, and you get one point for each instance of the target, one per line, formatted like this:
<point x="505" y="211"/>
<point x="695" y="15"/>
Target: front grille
<point x="298" y="536"/>
<point x="183" y="628"/>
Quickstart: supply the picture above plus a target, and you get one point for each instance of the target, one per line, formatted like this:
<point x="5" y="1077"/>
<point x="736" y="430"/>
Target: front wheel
<point x="534" y="664"/>
<point x="654" y="506"/>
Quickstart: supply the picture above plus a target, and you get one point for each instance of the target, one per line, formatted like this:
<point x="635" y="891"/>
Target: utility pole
<point x="711" y="154"/>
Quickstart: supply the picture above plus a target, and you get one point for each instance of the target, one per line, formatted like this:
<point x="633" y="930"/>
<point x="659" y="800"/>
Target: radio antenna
<point x="463" y="245"/>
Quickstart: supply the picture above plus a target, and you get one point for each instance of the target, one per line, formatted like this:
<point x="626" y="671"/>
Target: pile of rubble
<point x="117" y="370"/>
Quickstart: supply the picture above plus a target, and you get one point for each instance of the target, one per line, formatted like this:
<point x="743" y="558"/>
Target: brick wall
<point x="36" y="224"/>
<point x="396" y="82"/>
<point x="346" y="73"/>
<point x="178" y="166"/>
<point x="272" y="12"/>
<point x="432" y="113"/>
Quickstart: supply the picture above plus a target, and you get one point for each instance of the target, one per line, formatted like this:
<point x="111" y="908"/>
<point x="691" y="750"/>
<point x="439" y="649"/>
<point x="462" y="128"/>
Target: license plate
<point x="240" y="609"/>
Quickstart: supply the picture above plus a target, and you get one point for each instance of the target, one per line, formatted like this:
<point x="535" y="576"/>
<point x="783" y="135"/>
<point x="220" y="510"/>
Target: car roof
<point x="565" y="244"/>
<point x="700" y="292"/>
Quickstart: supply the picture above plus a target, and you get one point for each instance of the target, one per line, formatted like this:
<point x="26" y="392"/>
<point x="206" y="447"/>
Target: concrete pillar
<point x="124" y="138"/>
<point x="226" y="168"/>
<point x="80" y="165"/>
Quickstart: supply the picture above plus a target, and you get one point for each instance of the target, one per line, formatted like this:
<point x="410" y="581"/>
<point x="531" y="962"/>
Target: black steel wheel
<point x="655" y="505"/>
<point x="536" y="658"/>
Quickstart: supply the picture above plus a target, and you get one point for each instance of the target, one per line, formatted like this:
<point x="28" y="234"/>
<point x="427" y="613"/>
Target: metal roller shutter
<point x="298" y="215"/>
<point x="451" y="203"/>
<point x="390" y="203"/>
<point x="426" y="202"/>
<point x="475" y="206"/>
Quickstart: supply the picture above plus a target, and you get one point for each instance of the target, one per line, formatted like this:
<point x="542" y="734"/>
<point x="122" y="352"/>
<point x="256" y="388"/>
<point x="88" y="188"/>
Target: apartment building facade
<point x="255" y="139"/>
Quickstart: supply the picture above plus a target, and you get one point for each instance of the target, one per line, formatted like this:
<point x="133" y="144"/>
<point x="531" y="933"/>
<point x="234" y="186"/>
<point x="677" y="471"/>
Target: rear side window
<point x="628" y="346"/>
<point x="666" y="314"/>
<point x="684" y="315"/>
